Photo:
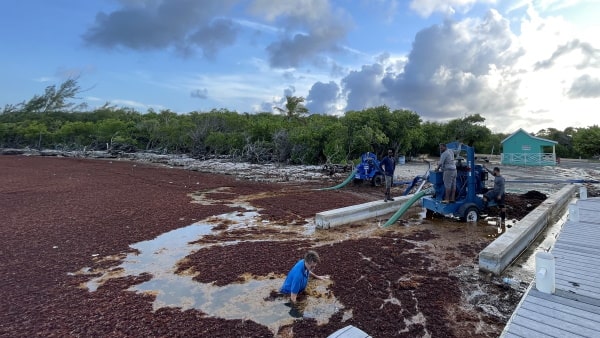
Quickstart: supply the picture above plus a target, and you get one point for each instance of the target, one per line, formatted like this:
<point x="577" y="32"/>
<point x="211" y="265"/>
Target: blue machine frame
<point x="470" y="185"/>
<point x="369" y="169"/>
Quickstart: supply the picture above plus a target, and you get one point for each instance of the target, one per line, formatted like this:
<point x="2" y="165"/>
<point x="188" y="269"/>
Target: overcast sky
<point x="518" y="63"/>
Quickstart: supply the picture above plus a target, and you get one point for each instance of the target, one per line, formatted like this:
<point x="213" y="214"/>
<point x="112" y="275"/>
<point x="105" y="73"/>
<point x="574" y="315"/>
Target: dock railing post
<point x="582" y="193"/>
<point x="544" y="272"/>
<point x="573" y="212"/>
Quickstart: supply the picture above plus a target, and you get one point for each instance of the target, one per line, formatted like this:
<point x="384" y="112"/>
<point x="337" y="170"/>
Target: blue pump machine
<point x="470" y="185"/>
<point x="369" y="170"/>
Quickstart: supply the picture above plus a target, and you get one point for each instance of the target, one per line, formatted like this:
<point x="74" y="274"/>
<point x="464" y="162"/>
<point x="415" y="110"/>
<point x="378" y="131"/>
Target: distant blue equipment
<point x="369" y="170"/>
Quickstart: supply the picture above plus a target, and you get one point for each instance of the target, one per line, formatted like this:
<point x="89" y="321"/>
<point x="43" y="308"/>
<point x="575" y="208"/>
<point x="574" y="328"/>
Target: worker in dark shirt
<point x="497" y="193"/>
<point x="388" y="165"/>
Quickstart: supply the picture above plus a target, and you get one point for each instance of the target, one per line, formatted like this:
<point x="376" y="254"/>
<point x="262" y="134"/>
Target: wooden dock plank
<point x="556" y="314"/>
<point x="562" y="253"/>
<point x="585" y="249"/>
<point x="518" y="330"/>
<point x="569" y="266"/>
<point x="580" y="234"/>
<point x="561" y="257"/>
<point x="573" y="310"/>
<point x="574" y="275"/>
<point x="588" y="206"/>
<point x="589" y="218"/>
<point x="550" y="325"/>
<point x="567" y="251"/>
<point x="588" y="240"/>
<point x="584" y="258"/>
<point x="573" y="264"/>
<point x="571" y="253"/>
<point x="577" y="288"/>
<point x="580" y="230"/>
<point x="588" y="209"/>
<point x="583" y="223"/>
<point x="545" y="327"/>
<point x="587" y="237"/>
<point x="561" y="297"/>
<point x="590" y="202"/>
<point x="591" y="207"/>
<point x="580" y="289"/>
<point x="569" y="306"/>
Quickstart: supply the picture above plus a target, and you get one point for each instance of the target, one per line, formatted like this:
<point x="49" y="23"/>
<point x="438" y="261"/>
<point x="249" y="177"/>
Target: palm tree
<point x="293" y="107"/>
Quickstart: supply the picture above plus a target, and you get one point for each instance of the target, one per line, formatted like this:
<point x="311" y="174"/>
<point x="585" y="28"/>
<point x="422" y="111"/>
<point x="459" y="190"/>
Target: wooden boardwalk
<point x="574" y="309"/>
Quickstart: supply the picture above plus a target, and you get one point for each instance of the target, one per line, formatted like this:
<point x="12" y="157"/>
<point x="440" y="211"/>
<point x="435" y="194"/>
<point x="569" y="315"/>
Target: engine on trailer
<point x="470" y="184"/>
<point x="369" y="169"/>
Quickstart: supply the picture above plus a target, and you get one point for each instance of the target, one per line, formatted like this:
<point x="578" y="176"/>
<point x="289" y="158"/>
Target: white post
<point x="573" y="212"/>
<point x="582" y="193"/>
<point x="544" y="272"/>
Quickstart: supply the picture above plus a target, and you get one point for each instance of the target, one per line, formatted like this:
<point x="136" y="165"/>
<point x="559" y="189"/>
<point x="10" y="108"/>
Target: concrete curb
<point x="505" y="249"/>
<point x="360" y="212"/>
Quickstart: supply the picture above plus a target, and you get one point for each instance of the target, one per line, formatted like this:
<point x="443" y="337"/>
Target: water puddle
<point x="249" y="300"/>
<point x="158" y="256"/>
<point x="495" y="227"/>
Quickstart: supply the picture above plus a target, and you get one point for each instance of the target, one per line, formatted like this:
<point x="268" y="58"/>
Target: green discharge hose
<point x="406" y="205"/>
<point x="346" y="181"/>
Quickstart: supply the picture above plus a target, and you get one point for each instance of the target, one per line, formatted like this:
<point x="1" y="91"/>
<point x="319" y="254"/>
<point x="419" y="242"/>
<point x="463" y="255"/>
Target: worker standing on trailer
<point x="388" y="165"/>
<point x="448" y="167"/>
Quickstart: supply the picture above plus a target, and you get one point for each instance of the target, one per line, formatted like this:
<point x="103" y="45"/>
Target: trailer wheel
<point x="378" y="180"/>
<point x="471" y="214"/>
<point x="430" y="214"/>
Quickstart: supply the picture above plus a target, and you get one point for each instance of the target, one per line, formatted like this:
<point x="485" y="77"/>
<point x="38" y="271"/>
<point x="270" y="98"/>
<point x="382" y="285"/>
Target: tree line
<point x="52" y="121"/>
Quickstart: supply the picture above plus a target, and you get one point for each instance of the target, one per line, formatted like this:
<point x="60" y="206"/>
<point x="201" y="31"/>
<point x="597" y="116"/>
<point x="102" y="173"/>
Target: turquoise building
<point x="521" y="148"/>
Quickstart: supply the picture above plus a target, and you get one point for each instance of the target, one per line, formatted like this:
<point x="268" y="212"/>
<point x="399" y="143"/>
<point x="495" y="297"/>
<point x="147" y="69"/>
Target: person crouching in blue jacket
<point x="297" y="278"/>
